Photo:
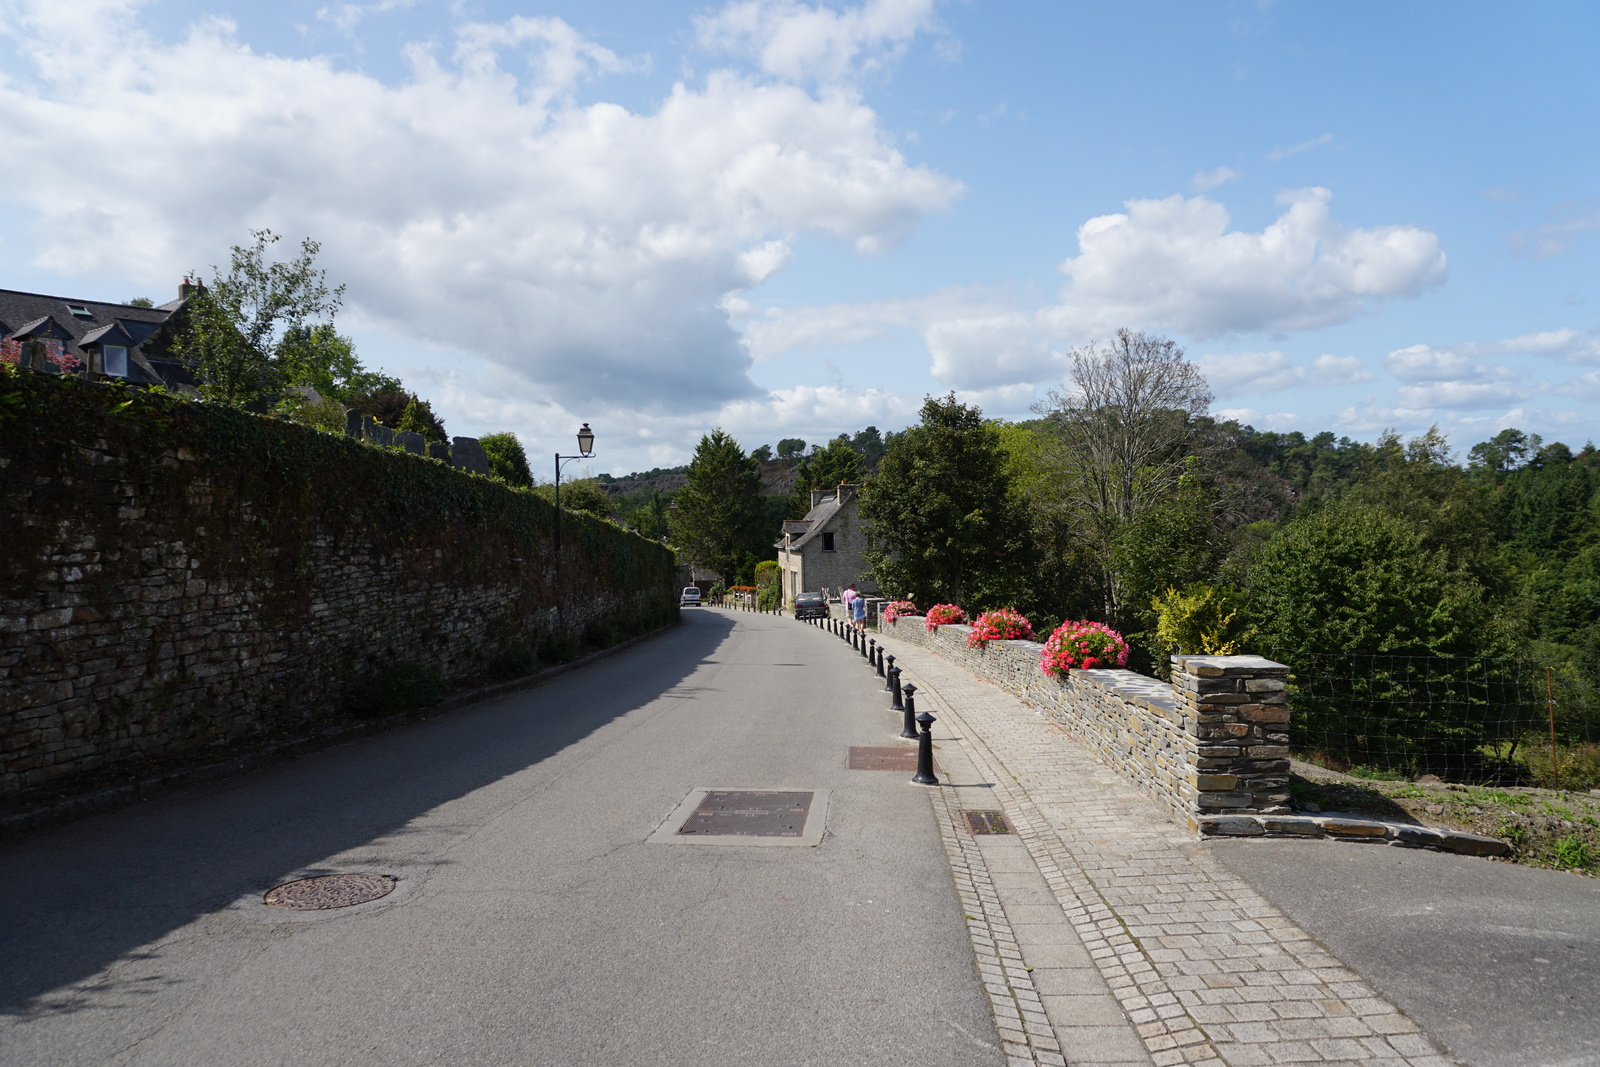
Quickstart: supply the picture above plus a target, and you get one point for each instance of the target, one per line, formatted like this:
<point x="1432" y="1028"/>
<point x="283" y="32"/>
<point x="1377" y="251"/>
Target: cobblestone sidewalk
<point x="1203" y="968"/>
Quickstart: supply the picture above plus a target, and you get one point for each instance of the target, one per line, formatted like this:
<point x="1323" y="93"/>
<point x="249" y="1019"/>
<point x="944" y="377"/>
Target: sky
<point x="795" y="220"/>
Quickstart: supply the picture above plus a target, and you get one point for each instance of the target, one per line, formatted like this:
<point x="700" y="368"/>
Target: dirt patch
<point x="1553" y="828"/>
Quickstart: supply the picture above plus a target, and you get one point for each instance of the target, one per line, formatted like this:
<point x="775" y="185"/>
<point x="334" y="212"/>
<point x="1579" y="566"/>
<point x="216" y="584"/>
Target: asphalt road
<point x="533" y="923"/>
<point x="1501" y="963"/>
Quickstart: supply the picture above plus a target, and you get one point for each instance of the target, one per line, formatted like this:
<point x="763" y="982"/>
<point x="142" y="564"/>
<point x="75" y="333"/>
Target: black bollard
<point x="894" y="689"/>
<point x="925" y="751"/>
<point x="888" y="681"/>
<point x="880" y="662"/>
<point x="871" y="651"/>
<point x="908" y="728"/>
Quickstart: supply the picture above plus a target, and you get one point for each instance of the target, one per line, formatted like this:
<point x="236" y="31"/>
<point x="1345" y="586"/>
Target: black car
<point x="810" y="606"/>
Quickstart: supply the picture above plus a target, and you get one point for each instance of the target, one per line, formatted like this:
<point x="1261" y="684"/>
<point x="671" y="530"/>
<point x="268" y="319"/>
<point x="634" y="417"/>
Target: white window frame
<point x="106" y="352"/>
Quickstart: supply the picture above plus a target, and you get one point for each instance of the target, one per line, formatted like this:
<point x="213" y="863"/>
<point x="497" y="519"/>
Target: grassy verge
<point x="1553" y="828"/>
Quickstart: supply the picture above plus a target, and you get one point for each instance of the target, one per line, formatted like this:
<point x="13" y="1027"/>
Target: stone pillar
<point x="1238" y="708"/>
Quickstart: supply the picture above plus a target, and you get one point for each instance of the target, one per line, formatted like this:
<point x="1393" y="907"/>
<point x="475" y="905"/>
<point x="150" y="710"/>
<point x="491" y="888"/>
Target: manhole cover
<point x="739" y="813"/>
<point x="329" y="891"/>
<point x="987" y="822"/>
<point x="887" y="758"/>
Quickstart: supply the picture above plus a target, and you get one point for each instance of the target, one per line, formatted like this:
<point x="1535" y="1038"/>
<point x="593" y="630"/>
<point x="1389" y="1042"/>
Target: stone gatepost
<point x="1238" y="710"/>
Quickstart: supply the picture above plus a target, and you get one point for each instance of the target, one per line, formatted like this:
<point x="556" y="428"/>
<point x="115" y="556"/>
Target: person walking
<point x="858" y="613"/>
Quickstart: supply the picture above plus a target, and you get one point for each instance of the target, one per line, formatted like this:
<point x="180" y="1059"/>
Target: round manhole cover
<point x="329" y="891"/>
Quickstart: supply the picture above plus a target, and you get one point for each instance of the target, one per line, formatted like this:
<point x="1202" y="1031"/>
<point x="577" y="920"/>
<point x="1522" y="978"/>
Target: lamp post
<point x="585" y="451"/>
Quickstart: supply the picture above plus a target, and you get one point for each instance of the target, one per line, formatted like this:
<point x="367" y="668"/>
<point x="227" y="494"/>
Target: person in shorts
<point x="858" y="613"/>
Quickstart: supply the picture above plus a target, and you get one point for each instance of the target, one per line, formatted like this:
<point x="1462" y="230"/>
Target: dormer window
<point x="80" y="312"/>
<point x="114" y="361"/>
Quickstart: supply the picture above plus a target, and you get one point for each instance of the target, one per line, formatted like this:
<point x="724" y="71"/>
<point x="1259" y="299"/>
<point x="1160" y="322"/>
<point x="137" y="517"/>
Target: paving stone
<point x="1181" y="947"/>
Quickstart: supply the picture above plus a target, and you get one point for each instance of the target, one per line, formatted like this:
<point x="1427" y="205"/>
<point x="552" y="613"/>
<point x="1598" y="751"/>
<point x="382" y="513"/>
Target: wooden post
<point x="1550" y="697"/>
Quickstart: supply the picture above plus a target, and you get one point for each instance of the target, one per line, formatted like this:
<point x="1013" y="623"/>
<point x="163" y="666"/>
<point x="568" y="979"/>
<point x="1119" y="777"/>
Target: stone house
<point x="827" y="549"/>
<point x="94" y="340"/>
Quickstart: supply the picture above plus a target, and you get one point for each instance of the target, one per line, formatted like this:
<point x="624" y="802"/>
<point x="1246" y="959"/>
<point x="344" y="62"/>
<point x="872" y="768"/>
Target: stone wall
<point x="1214" y="741"/>
<point x="177" y="576"/>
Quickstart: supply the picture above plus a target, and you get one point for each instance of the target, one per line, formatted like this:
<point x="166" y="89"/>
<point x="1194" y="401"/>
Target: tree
<point x="722" y="521"/>
<point x="791" y="449"/>
<point x="237" y="327"/>
<point x="390" y="408"/>
<point x="507" y="460"/>
<point x="946" y="524"/>
<point x="586" y="495"/>
<point x="826" y="469"/>
<point x="1505" y="452"/>
<point x="1120" y="442"/>
<point x="871" y="446"/>
<point x="325" y="360"/>
<point x="1353" y="578"/>
<point x="762" y="454"/>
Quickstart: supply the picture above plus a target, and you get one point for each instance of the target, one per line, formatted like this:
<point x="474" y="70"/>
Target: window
<point x="80" y="312"/>
<point x="114" y="361"/>
<point x="827" y="542"/>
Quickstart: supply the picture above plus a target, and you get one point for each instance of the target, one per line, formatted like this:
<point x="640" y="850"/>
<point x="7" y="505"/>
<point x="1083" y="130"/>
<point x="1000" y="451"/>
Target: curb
<point x="121" y="796"/>
<point x="1340" y="826"/>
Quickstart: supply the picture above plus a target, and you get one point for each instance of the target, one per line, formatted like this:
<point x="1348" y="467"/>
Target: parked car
<point x="691" y="597"/>
<point x="810" y="606"/>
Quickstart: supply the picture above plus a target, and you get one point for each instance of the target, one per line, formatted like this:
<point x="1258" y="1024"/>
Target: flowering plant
<point x="896" y="608"/>
<point x="942" y="614"/>
<point x="1083" y="645"/>
<point x="10" y="350"/>
<point x="1001" y="624"/>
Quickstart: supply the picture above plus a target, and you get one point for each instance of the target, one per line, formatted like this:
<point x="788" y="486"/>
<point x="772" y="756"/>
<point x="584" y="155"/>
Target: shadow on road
<point x="78" y="898"/>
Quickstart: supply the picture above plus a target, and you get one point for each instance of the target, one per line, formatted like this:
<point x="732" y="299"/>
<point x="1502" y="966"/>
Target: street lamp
<point x="585" y="451"/>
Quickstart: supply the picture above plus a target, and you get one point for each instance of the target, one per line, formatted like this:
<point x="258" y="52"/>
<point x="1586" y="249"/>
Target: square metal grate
<point x="749" y="813"/>
<point x="884" y="758"/>
<point x="987" y="822"/>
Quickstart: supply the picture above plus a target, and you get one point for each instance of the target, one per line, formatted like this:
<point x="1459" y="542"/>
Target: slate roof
<point x="25" y="313"/>
<point x="817" y="518"/>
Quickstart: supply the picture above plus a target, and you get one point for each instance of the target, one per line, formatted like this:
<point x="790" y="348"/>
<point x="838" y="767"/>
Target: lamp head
<point x="586" y="441"/>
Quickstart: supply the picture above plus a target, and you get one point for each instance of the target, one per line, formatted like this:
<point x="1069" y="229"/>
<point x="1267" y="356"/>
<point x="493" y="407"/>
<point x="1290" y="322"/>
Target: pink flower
<point x="1082" y="645"/>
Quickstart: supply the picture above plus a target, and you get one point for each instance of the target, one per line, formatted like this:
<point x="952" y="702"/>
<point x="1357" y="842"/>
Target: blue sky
<point x="794" y="220"/>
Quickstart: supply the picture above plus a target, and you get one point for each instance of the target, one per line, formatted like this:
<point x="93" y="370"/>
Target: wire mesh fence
<point x="1462" y="719"/>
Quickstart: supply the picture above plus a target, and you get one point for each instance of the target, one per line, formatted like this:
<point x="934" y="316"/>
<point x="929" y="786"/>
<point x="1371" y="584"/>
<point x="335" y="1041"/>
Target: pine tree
<point x="721" y="521"/>
<point x="945" y="522"/>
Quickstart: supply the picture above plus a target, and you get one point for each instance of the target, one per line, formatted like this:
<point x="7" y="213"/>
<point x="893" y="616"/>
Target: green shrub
<point x="1578" y="765"/>
<point x="402" y="689"/>
<point x="515" y="663"/>
<point x="1203" y="620"/>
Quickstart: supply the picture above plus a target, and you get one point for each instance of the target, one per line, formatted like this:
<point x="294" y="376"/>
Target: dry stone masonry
<point x="177" y="577"/>
<point x="1214" y="741"/>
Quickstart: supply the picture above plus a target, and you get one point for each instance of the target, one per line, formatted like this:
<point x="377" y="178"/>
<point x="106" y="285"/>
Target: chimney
<point x="188" y="288"/>
<point x="818" y="496"/>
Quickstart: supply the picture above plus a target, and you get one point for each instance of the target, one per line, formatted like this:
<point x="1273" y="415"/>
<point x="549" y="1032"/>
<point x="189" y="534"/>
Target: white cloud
<point x="1261" y="420"/>
<point x="1173" y="264"/>
<point x="1585" y="387"/>
<point x="1568" y="345"/>
<point x="804" y="43"/>
<point x="347" y="16"/>
<point x="1250" y="372"/>
<point x="1555" y="238"/>
<point x="1303" y="146"/>
<point x="1167" y="265"/>
<point x="1333" y="370"/>
<point x="477" y="204"/>
<point x="1460" y="394"/>
<point x="1422" y="363"/>
<point x="1206" y="180"/>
